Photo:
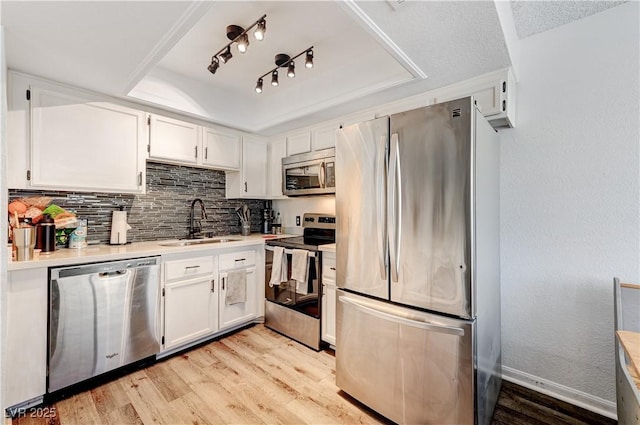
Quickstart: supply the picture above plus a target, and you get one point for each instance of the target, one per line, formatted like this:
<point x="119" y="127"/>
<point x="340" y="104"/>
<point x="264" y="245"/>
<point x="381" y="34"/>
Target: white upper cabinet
<point x="251" y="180"/>
<point x="494" y="94"/>
<point x="324" y="137"/>
<point x="79" y="142"/>
<point x="277" y="150"/>
<point x="220" y="150"/>
<point x="299" y="142"/>
<point x="173" y="140"/>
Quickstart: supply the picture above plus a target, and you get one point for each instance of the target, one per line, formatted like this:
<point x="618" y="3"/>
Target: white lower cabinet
<point x="328" y="317"/>
<point x="238" y="280"/>
<point x="190" y="300"/>
<point x="25" y="343"/>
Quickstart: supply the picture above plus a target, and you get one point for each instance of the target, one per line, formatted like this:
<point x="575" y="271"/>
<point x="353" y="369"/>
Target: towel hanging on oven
<point x="300" y="270"/>
<point x="279" y="268"/>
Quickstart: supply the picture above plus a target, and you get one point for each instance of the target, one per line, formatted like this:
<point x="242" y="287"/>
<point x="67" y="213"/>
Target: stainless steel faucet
<point x="196" y="228"/>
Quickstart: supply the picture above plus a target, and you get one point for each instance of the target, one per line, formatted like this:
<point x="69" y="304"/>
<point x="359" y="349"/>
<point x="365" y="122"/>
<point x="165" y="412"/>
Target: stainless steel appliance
<point x="418" y="314"/>
<point x="102" y="316"/>
<point x="309" y="173"/>
<point x="288" y="310"/>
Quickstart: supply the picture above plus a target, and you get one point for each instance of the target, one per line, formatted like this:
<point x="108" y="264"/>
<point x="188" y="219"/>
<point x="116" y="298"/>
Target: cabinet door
<point x="254" y="167"/>
<point x="173" y="140"/>
<point x="232" y="310"/>
<point x="81" y="144"/>
<point x="299" y="142"/>
<point x="221" y="150"/>
<point x="324" y="137"/>
<point x="25" y="358"/>
<point x="277" y="151"/>
<point x="328" y="318"/>
<point x="189" y="310"/>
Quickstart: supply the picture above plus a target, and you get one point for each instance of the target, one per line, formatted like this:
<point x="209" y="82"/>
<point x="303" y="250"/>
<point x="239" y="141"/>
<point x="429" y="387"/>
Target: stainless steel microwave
<point x="311" y="173"/>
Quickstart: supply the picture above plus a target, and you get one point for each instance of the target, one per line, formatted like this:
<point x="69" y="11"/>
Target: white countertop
<point x="98" y="253"/>
<point x="330" y="247"/>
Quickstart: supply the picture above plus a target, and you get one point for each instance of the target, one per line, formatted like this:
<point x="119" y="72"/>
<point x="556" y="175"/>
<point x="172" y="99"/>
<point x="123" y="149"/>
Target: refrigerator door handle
<point x="394" y="207"/>
<point x="433" y="327"/>
<point x="381" y="199"/>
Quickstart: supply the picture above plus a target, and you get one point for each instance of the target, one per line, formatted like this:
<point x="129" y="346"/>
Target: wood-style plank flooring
<point x="257" y="376"/>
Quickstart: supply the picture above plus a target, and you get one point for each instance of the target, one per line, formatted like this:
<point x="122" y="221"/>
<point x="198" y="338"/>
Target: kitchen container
<point x="46" y="235"/>
<point x="24" y="239"/>
<point x="246" y="229"/>
<point x="78" y="238"/>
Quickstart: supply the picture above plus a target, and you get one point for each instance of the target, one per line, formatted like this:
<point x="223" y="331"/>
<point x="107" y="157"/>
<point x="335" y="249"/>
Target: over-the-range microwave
<point x="311" y="173"/>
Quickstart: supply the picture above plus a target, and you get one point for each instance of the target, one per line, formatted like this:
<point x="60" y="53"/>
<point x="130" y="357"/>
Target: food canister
<point x="46" y="235"/>
<point x="78" y="238"/>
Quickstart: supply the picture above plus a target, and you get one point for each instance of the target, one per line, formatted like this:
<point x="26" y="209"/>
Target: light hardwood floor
<point x="256" y="376"/>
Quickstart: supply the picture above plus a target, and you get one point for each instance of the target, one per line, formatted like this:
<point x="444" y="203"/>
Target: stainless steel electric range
<point x="293" y="307"/>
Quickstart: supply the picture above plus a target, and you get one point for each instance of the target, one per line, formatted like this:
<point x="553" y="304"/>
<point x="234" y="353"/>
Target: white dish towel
<point x="300" y="270"/>
<point x="236" y="287"/>
<point x="279" y="267"/>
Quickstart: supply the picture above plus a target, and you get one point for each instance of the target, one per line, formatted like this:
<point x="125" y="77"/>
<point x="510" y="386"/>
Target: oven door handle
<point x="290" y="251"/>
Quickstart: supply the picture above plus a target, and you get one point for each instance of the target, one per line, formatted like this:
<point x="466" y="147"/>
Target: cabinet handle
<point x="223" y="279"/>
<point x="245" y="187"/>
<point x="213" y="285"/>
<point x="206" y="153"/>
<point x="191" y="267"/>
<point x="196" y="152"/>
<point x="332" y="268"/>
<point x="140" y="178"/>
<point x="240" y="259"/>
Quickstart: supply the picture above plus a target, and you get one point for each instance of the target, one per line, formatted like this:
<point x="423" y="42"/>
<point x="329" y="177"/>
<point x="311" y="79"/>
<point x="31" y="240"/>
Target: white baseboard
<point x="586" y="401"/>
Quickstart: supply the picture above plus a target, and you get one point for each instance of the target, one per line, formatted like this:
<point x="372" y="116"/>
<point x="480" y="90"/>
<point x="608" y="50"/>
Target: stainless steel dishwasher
<point x="102" y="316"/>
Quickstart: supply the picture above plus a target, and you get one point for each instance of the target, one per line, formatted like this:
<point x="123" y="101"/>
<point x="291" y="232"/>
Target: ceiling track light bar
<point x="238" y="35"/>
<point x="282" y="60"/>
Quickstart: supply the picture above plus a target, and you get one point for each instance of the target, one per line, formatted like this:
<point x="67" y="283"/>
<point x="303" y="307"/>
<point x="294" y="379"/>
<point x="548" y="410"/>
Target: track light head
<point x="260" y="30"/>
<point x="274" y="78"/>
<point x="308" y="61"/>
<point x="259" y="86"/>
<point x="291" y="71"/>
<point x="243" y="43"/>
<point x="226" y="55"/>
<point x="215" y="64"/>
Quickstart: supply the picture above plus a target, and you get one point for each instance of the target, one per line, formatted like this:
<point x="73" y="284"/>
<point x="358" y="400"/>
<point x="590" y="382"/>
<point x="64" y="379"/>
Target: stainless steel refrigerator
<point x="418" y="259"/>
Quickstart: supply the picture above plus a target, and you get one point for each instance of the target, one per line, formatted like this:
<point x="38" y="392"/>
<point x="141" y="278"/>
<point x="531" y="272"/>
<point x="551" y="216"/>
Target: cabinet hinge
<point x="29" y="175"/>
<point x="28" y="94"/>
<point x="504" y="105"/>
<point x="504" y="87"/>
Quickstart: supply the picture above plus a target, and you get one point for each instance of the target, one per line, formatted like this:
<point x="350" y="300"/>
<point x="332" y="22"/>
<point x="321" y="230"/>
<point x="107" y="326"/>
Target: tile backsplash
<point x="161" y="213"/>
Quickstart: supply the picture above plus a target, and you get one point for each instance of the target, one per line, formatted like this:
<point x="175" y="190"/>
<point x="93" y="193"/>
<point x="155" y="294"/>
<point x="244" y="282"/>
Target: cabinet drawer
<point x="191" y="267"/>
<point x="329" y="266"/>
<point x="237" y="259"/>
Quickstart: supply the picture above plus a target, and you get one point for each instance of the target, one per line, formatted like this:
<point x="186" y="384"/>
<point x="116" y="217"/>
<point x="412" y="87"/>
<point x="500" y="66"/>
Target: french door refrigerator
<point x="418" y="311"/>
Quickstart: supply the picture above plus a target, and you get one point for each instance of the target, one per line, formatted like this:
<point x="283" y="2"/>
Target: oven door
<point x="292" y="294"/>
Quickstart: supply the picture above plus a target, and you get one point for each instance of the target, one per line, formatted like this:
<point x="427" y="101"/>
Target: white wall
<point x="570" y="203"/>
<point x="3" y="206"/>
<point x="290" y="208"/>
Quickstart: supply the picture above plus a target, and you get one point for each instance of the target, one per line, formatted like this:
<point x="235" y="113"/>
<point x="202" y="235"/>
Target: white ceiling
<point x="366" y="52"/>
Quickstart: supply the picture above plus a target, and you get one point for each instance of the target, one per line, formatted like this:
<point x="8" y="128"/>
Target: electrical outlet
<point x="297" y="220"/>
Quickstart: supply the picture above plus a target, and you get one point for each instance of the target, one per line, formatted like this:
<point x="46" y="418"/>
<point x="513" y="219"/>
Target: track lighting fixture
<point x="215" y="64"/>
<point x="237" y="35"/>
<point x="282" y="60"/>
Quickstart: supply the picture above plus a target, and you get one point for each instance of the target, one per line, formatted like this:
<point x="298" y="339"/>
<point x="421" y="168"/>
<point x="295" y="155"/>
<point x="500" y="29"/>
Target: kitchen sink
<point x="189" y="242"/>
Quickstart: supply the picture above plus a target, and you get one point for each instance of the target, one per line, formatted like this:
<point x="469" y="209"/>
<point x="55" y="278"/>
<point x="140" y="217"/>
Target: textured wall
<point x="163" y="212"/>
<point x="570" y="199"/>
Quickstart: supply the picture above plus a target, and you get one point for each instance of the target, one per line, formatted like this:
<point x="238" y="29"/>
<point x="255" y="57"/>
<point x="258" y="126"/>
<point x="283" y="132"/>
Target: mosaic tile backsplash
<point x="161" y="213"/>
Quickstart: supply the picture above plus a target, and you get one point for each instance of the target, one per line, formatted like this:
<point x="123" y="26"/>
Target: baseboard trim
<point x="561" y="392"/>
